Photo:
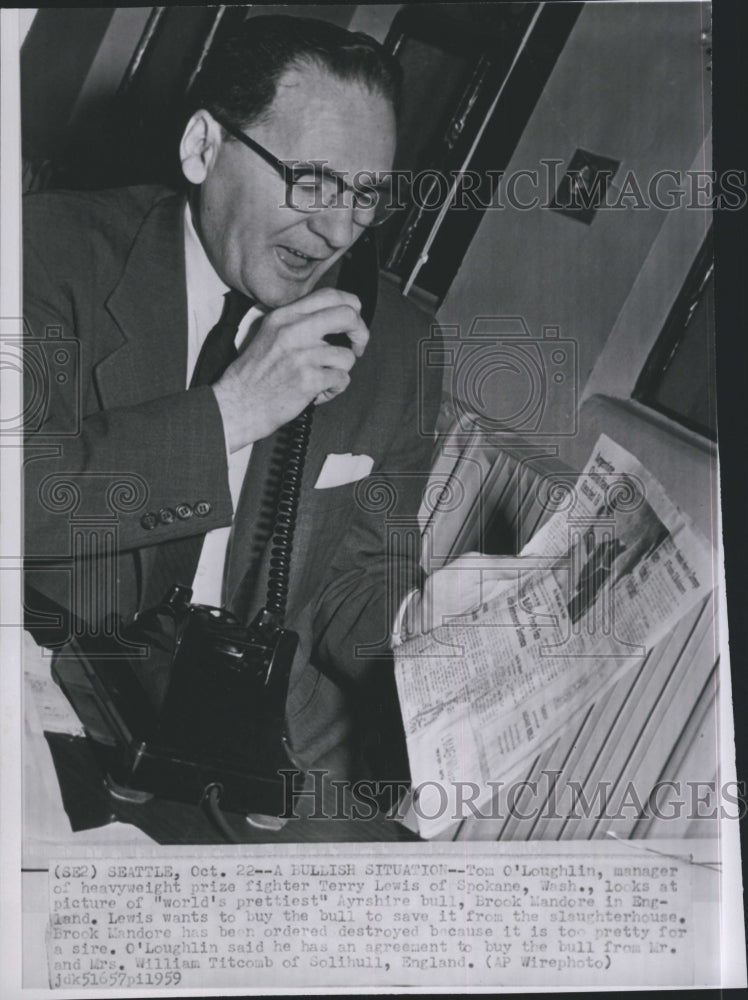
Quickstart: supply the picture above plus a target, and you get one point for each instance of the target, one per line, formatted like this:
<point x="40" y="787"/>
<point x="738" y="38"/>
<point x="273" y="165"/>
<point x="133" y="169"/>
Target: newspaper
<point x="609" y="574"/>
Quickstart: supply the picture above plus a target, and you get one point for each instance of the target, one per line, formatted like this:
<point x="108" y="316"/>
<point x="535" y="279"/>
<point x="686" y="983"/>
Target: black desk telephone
<point x="202" y="713"/>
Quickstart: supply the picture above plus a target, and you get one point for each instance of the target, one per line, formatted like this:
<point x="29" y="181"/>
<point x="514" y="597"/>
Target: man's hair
<point x="240" y="74"/>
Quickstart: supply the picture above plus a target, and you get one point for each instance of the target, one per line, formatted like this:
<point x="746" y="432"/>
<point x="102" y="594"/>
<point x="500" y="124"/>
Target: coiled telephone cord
<point x="299" y="431"/>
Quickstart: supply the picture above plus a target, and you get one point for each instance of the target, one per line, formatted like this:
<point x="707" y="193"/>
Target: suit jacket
<point x="115" y="436"/>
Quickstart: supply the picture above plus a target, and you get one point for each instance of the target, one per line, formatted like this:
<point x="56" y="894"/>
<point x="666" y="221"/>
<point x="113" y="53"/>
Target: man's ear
<point x="199" y="145"/>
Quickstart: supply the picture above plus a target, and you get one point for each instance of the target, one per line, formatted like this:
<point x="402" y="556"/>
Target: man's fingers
<point x="290" y="363"/>
<point x="313" y="327"/>
<point x="329" y="357"/>
<point x="461" y="587"/>
<point x="338" y="381"/>
<point x="489" y="567"/>
<point x="359" y="338"/>
<point x="322" y="298"/>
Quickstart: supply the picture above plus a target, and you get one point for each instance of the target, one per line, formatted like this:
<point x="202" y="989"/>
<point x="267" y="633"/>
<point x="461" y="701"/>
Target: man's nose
<point x="335" y="226"/>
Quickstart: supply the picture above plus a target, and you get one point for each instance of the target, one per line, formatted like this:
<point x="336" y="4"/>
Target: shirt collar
<point x="203" y="284"/>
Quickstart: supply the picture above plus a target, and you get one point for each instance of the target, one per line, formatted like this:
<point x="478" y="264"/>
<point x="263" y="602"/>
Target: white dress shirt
<point x="205" y="300"/>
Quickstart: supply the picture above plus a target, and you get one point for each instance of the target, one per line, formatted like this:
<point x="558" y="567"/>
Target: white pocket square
<point x="341" y="469"/>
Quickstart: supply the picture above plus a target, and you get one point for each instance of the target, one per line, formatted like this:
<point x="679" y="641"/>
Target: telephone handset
<point x="202" y="714"/>
<point x="359" y="273"/>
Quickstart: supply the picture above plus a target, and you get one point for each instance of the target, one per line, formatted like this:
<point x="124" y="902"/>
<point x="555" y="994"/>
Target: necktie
<point x="176" y="561"/>
<point x="219" y="350"/>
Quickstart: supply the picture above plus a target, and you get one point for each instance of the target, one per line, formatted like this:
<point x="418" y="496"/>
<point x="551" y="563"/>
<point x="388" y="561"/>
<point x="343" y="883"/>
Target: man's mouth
<point x="295" y="260"/>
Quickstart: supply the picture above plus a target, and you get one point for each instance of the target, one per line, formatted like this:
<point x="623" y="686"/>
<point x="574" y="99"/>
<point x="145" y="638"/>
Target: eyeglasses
<point x="313" y="187"/>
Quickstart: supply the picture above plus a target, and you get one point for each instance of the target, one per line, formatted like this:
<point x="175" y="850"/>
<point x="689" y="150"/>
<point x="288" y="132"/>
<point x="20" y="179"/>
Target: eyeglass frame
<point x="290" y="177"/>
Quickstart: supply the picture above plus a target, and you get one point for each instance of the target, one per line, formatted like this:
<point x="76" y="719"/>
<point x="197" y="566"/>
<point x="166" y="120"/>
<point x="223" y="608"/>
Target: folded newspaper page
<point x="609" y="574"/>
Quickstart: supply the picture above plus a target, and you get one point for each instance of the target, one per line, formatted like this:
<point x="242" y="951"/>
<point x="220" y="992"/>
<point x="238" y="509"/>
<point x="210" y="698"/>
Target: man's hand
<point x="458" y="589"/>
<point x="289" y="364"/>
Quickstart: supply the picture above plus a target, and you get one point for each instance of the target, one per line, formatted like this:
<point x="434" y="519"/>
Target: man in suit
<point x="133" y="283"/>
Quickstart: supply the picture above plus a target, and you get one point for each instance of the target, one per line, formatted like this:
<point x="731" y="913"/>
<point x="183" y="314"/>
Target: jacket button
<point x="149" y="521"/>
<point x="202" y="508"/>
<point x="184" y="511"/>
<point x="166" y="515"/>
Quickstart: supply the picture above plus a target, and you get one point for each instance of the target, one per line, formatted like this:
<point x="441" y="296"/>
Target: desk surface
<point x="88" y="803"/>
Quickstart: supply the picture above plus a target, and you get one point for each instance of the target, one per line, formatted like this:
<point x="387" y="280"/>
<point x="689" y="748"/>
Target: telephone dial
<point x="201" y="715"/>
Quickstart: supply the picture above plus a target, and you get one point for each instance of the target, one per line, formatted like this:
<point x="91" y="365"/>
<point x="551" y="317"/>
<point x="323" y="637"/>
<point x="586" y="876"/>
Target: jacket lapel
<point x="149" y="305"/>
